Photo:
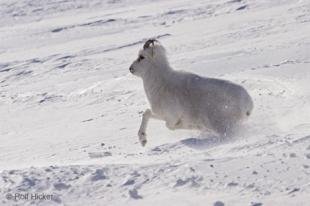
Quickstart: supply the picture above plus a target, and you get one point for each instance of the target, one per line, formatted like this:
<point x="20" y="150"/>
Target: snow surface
<point x="70" y="110"/>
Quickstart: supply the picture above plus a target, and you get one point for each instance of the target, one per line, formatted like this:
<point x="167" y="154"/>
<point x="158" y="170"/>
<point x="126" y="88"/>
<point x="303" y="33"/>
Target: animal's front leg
<point x="142" y="131"/>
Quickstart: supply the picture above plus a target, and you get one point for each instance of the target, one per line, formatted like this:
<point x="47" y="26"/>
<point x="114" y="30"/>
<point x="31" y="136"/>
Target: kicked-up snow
<point x="70" y="110"/>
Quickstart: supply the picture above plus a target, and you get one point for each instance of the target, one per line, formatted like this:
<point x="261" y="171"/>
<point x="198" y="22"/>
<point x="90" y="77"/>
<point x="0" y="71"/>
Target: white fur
<point x="185" y="100"/>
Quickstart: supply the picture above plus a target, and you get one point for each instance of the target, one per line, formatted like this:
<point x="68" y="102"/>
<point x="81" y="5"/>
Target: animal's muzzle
<point x="131" y="69"/>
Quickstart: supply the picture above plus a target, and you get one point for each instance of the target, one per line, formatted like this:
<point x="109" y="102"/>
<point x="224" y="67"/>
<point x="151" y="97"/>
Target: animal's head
<point x="151" y="57"/>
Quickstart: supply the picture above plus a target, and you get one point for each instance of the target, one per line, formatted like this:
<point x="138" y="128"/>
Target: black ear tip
<point x="148" y="43"/>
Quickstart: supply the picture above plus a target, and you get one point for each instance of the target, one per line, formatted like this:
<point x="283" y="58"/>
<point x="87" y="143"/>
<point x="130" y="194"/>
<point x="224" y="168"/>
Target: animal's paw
<point x="143" y="142"/>
<point x="142" y="138"/>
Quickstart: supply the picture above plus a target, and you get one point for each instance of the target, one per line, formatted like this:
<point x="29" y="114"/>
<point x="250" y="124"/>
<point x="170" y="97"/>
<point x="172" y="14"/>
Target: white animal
<point x="185" y="100"/>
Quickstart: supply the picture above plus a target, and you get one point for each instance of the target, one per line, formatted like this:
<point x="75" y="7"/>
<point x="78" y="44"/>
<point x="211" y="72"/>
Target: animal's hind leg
<point x="222" y="126"/>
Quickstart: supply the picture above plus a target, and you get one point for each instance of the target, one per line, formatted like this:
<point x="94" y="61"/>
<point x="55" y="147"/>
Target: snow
<point x="70" y="110"/>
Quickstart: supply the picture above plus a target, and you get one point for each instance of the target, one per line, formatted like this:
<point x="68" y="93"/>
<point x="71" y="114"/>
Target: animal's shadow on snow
<point x="204" y="141"/>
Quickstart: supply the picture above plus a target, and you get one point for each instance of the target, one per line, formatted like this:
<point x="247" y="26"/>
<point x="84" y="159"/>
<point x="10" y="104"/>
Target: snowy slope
<point x="70" y="110"/>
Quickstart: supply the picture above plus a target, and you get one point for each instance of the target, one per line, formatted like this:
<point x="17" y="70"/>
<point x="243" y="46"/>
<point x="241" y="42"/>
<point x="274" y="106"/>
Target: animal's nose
<point x="131" y="69"/>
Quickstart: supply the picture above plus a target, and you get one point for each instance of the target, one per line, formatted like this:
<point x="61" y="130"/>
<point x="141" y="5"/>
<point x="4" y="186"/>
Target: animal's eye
<point x="140" y="58"/>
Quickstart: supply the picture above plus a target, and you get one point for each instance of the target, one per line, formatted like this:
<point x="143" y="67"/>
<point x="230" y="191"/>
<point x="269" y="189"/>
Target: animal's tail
<point x="250" y="106"/>
<point x="247" y="103"/>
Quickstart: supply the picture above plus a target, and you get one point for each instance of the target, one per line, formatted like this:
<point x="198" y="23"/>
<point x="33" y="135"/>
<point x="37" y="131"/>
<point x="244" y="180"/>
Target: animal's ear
<point x="150" y="44"/>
